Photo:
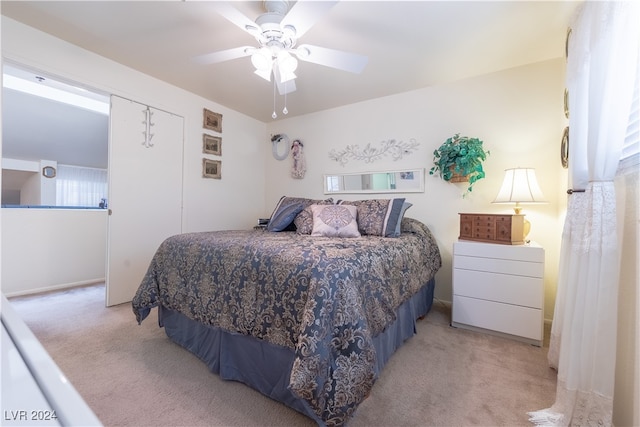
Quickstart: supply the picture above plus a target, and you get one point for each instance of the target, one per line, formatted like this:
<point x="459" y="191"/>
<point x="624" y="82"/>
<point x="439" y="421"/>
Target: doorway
<point x="54" y="132"/>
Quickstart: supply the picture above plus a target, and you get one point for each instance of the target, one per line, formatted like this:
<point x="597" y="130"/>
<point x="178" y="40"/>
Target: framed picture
<point x="406" y="175"/>
<point x="211" y="144"/>
<point x="211" y="168"/>
<point x="212" y="121"/>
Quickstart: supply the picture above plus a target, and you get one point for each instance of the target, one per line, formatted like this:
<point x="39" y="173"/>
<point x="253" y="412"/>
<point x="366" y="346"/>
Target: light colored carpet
<point x="132" y="375"/>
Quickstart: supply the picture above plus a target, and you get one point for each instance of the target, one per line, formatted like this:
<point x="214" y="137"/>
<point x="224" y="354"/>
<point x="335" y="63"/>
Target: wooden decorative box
<point x="492" y="228"/>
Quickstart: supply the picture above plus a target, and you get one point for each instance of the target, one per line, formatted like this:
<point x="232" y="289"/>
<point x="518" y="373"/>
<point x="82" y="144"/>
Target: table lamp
<point x="520" y="186"/>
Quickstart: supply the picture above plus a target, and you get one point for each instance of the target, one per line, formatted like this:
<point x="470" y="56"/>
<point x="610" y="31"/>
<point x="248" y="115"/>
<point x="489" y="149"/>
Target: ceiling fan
<point x="277" y="32"/>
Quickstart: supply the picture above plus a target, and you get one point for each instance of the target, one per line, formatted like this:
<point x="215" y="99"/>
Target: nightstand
<point x="499" y="289"/>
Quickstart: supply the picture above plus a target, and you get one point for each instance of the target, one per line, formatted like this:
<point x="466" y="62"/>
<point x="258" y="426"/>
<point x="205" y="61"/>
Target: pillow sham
<point x="378" y="217"/>
<point x="334" y="221"/>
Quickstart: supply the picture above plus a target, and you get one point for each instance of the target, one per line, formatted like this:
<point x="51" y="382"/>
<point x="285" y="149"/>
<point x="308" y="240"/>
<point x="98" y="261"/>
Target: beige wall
<point x="518" y="113"/>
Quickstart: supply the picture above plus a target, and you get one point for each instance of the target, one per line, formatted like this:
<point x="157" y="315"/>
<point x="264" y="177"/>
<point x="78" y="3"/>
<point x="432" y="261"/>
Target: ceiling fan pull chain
<point x="274" y="115"/>
<point x="285" y="111"/>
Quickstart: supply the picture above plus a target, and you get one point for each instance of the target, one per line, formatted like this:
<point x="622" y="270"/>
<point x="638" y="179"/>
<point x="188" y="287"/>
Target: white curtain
<point x="601" y="70"/>
<point x="80" y="186"/>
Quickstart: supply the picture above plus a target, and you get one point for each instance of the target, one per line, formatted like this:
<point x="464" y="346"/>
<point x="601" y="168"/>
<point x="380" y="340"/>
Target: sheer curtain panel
<point x="80" y="186"/>
<point x="602" y="69"/>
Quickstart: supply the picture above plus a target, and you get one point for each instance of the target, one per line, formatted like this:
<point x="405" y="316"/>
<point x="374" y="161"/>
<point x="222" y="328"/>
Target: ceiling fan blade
<point x="224" y="55"/>
<point x="234" y="16"/>
<point x="304" y="14"/>
<point x="351" y="62"/>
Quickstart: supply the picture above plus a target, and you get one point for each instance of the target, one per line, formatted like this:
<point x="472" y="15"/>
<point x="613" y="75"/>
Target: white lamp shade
<point x="520" y="186"/>
<point x="287" y="64"/>
<point x="265" y="74"/>
<point x="285" y="77"/>
<point x="262" y="59"/>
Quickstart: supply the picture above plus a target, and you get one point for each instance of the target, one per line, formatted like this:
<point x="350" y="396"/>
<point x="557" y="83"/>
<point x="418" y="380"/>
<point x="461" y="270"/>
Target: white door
<point x="145" y="191"/>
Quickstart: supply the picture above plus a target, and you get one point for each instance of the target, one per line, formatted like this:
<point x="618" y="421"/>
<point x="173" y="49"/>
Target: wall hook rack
<point x="148" y="114"/>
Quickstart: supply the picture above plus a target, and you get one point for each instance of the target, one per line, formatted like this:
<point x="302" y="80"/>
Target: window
<point x="631" y="148"/>
<point x="81" y="186"/>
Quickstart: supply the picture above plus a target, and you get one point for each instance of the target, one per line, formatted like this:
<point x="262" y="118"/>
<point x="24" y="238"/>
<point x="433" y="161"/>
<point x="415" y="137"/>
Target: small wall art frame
<point x="211" y="168"/>
<point x="211" y="144"/>
<point x="211" y="120"/>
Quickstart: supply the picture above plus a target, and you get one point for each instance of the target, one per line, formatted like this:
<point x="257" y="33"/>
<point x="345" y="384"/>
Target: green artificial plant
<point x="460" y="156"/>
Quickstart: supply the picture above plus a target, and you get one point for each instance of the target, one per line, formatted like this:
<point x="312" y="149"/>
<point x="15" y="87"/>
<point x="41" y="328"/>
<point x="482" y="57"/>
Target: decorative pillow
<point x="405" y="206"/>
<point x="283" y="216"/>
<point x="378" y="217"/>
<point x="334" y="221"/>
<point x="284" y="205"/>
<point x="304" y="220"/>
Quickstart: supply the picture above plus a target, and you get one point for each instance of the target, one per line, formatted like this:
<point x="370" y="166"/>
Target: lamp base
<point x="525" y="229"/>
<point x="526" y="226"/>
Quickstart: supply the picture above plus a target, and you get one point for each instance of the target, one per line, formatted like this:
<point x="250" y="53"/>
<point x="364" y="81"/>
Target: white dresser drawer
<point x="532" y="252"/>
<point x="519" y="290"/>
<point x="494" y="265"/>
<point x="506" y="318"/>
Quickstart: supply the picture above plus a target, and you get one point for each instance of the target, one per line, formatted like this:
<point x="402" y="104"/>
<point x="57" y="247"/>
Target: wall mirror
<point x="399" y="181"/>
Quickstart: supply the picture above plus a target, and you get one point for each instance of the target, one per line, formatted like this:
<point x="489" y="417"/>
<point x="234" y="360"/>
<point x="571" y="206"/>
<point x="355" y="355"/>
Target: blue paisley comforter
<point x="324" y="298"/>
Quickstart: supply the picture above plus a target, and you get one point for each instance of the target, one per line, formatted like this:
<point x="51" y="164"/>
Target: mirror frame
<point x="420" y="172"/>
<point x="49" y="172"/>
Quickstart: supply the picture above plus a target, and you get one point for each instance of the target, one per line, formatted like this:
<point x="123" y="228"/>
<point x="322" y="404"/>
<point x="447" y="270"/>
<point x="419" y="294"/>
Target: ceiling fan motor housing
<point x="277" y="6"/>
<point x="272" y="34"/>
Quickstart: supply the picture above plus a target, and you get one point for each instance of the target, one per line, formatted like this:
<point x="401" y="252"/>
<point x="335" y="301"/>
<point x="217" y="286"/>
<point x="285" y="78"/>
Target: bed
<point x="306" y="319"/>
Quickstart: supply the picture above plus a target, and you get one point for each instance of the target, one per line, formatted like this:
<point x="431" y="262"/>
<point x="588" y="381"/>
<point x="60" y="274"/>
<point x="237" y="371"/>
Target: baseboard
<point x="445" y="304"/>
<point x="54" y="288"/>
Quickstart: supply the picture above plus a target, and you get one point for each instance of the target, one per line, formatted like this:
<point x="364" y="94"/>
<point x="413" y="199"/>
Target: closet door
<point x="145" y="191"/>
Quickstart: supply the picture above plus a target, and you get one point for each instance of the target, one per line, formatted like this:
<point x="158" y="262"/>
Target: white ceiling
<point x="410" y="44"/>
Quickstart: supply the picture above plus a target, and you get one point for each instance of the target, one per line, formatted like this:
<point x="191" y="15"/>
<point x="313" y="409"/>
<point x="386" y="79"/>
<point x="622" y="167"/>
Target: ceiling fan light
<point x="262" y="59"/>
<point x="286" y="62"/>
<point x="265" y="74"/>
<point x="285" y="76"/>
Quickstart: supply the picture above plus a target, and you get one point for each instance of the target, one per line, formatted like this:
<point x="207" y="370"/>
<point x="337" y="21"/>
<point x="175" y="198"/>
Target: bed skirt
<point x="264" y="366"/>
